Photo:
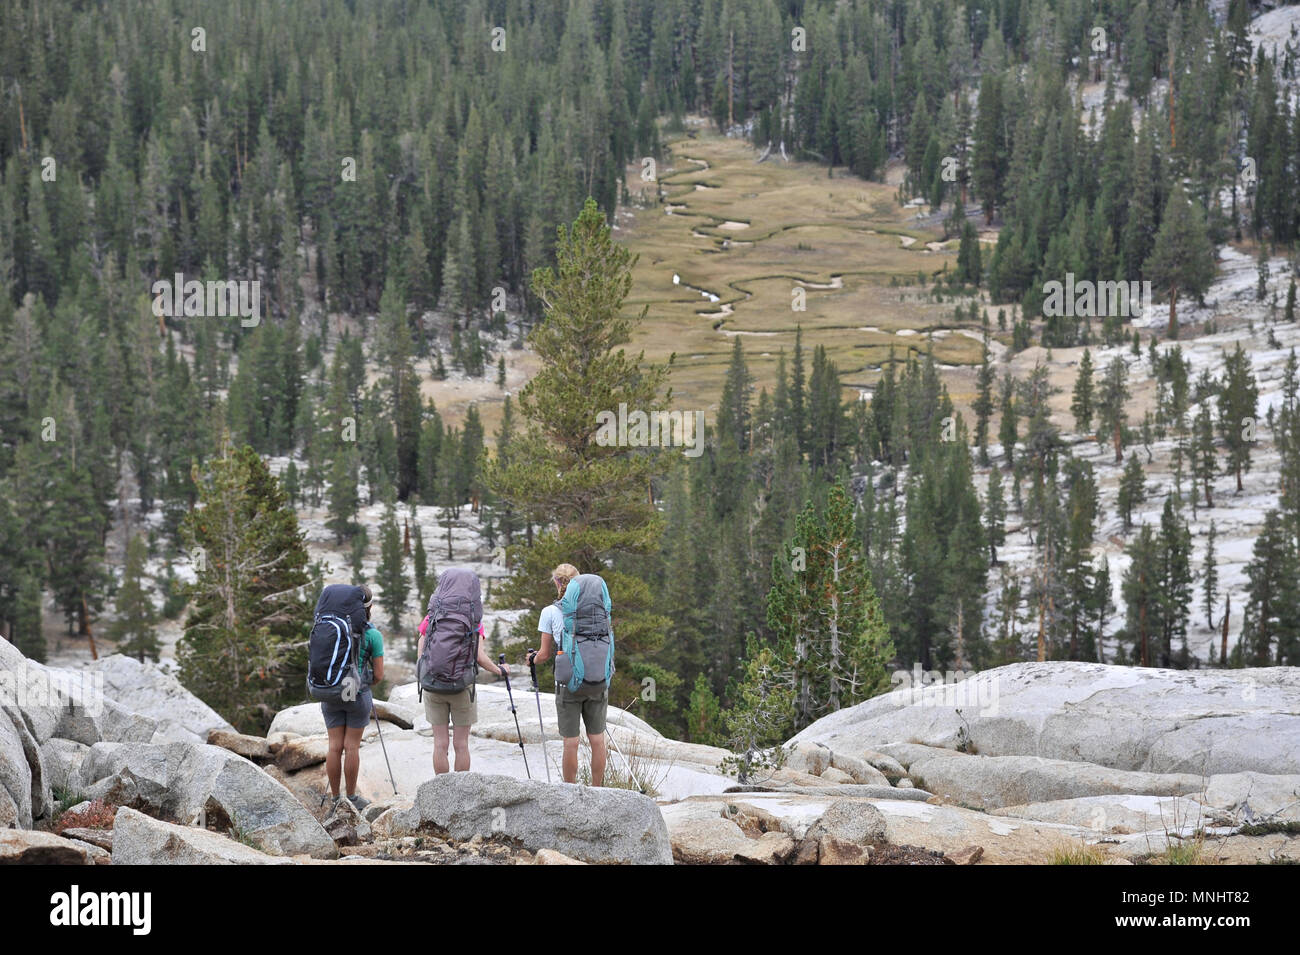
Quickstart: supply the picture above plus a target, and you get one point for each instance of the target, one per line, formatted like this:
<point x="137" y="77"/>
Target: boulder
<point x="812" y="759"/>
<point x="42" y="694"/>
<point x="16" y="780"/>
<point x="396" y="823"/>
<point x="716" y="840"/>
<point x="891" y="767"/>
<point x="150" y="691"/>
<point x="303" y="752"/>
<point x="108" y="723"/>
<point x="967" y="856"/>
<point x="859" y="770"/>
<point x="785" y="776"/>
<point x="594" y="825"/>
<point x="249" y="747"/>
<point x="10" y="816"/>
<point x="142" y="840"/>
<point x="380" y="806"/>
<point x="850" y="821"/>
<point x="991" y="782"/>
<point x="120" y="789"/>
<point x="346" y="826"/>
<point x="905" y="754"/>
<point x="755" y="813"/>
<point x="137" y="769"/>
<point x="63" y="759"/>
<point x="305" y="719"/>
<point x="840" y="778"/>
<point x="32" y="847"/>
<point x="196" y="782"/>
<point x="1138" y="719"/>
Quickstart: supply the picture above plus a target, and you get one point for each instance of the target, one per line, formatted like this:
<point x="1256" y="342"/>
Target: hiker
<point x="452" y="648"/>
<point x="579" y="630"/>
<point x="345" y="655"/>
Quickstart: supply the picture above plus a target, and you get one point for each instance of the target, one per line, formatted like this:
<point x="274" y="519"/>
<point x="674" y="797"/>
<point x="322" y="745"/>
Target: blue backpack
<point x="333" y="647"/>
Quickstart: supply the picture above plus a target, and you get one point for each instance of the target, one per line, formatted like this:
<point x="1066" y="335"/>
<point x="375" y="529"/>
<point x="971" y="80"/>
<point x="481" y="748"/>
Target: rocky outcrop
<point x="139" y="839"/>
<point x="991" y="782"/>
<point x="1205" y="722"/>
<point x="149" y="691"/>
<point x="191" y="782"/>
<point x="249" y="747"/>
<point x="31" y="847"/>
<point x="593" y="825"/>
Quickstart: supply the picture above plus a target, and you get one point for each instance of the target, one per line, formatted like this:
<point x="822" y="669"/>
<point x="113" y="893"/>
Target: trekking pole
<point x="500" y="660"/>
<point x="626" y="764"/>
<point x="532" y="669"/>
<point x="391" y="778"/>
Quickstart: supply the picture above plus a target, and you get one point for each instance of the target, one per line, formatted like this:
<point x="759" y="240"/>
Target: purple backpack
<point x="449" y="661"/>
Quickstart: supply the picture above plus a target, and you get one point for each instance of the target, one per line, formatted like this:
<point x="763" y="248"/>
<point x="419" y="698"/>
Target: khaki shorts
<point x="569" y="709"/>
<point x="460" y="707"/>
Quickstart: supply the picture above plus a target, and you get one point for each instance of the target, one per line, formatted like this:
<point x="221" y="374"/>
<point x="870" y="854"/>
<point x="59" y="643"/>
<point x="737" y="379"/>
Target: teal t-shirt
<point x="372" y="645"/>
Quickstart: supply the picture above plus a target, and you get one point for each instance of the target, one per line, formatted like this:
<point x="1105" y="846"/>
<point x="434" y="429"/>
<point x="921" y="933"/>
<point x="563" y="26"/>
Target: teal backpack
<point x="587" y="661"/>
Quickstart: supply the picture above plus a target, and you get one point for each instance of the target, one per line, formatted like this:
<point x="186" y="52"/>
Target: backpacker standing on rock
<point x="581" y="625"/>
<point x="452" y="648"/>
<point x="345" y="655"/>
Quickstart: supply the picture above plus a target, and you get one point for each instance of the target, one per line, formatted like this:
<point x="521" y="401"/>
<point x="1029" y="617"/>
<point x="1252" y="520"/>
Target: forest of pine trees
<point x="393" y="175"/>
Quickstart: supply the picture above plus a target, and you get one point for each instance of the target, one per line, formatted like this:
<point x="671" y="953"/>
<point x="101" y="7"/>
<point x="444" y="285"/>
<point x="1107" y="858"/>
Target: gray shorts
<point x="354" y="715"/>
<point x="590" y="711"/>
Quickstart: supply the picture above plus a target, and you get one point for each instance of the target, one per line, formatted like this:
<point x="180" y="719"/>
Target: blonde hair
<point x="564" y="573"/>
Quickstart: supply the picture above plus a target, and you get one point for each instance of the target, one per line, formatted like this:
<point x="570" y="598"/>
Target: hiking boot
<point x="358" y="802"/>
<point x="330" y="800"/>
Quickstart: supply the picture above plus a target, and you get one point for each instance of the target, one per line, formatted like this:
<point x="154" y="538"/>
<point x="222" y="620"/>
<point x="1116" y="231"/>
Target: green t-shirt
<point x="372" y="645"/>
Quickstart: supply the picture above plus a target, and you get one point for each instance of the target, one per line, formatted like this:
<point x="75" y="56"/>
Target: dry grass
<point x="800" y="227"/>
<point x="1079" y="854"/>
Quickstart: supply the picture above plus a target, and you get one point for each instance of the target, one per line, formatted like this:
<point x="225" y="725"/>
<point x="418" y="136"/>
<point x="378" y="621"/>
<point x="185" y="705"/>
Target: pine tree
<point x="1270" y="632"/>
<point x="761" y="713"/>
<point x="1007" y="428"/>
<point x="241" y="651"/>
<point x="1238" y="398"/>
<point x="983" y="403"/>
<point x="393" y="586"/>
<point x="995" y="513"/>
<point x="704" y="715"/>
<point x="1132" y="490"/>
<point x="1204" y="462"/>
<point x="1081" y="401"/>
<point x="1112" y="406"/>
<point x="1209" y="579"/>
<point x="1174" y="592"/>
<point x="133" y="630"/>
<point x="592" y="498"/>
<point x="823" y="609"/>
<point x="1140" y="590"/>
<point x="1182" y="258"/>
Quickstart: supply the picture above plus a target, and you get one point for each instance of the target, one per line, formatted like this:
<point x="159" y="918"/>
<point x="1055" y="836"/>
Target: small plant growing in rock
<point x="98" y="815"/>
